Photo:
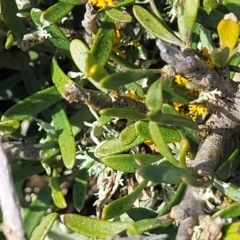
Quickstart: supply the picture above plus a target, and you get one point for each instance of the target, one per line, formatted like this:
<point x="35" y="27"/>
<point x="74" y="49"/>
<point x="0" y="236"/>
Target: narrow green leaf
<point x="230" y="190"/>
<point x="209" y="19"/>
<point x="171" y="120"/>
<point x="9" y="11"/>
<point x="229" y="166"/>
<point x="57" y="195"/>
<point x="36" y="210"/>
<point x="169" y="174"/>
<point x="151" y="24"/>
<point x="80" y="55"/>
<point x="79" y="52"/>
<point x="174" y="93"/>
<point x="187" y="14"/>
<point x="115" y="146"/>
<point x="176" y="199"/>
<point x="219" y="56"/>
<point x="187" y="133"/>
<point x="9" y="126"/>
<point x="209" y="4"/>
<point x="123" y="3"/>
<point x="44" y="227"/>
<point x="127" y="162"/>
<point x="121" y="205"/>
<point x="128" y="134"/>
<point x="74" y="2"/>
<point x="66" y="139"/>
<point x="157" y="138"/>
<point x="232" y="6"/>
<point x="145" y="225"/>
<point x="32" y="105"/>
<point x="118" y="79"/>
<point x="169" y="133"/>
<point x="92" y="227"/>
<point x="103" y="41"/>
<point x="26" y="172"/>
<point x="56" y="12"/>
<point x="230" y="211"/>
<point x="118" y="15"/>
<point x="58" y="38"/>
<point x="154" y="98"/>
<point x="141" y="213"/>
<point x="59" y="78"/>
<point x="80" y="188"/>
<point x="122" y="113"/>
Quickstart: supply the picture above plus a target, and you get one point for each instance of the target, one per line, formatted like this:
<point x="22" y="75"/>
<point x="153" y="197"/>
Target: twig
<point x="13" y="225"/>
<point x="221" y="126"/>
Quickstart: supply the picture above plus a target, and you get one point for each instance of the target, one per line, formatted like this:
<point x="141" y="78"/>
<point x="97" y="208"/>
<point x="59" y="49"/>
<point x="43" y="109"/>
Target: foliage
<point x="129" y="127"/>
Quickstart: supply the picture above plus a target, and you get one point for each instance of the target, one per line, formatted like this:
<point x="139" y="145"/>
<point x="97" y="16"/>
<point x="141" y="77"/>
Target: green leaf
<point x="141" y="213"/>
<point x="151" y="24"/>
<point x="229" y="166"/>
<point x="169" y="133"/>
<point x="115" y="146"/>
<point x="58" y="38"/>
<point x="145" y="225"/>
<point x="56" y="12"/>
<point x="9" y="11"/>
<point x="36" y="210"/>
<point x="154" y="98"/>
<point x="44" y="227"/>
<point x="211" y="3"/>
<point x="176" y="199"/>
<point x="157" y="138"/>
<point x="169" y="174"/>
<point x="118" y="15"/>
<point x="80" y="55"/>
<point x="187" y="14"/>
<point x="209" y="19"/>
<point x="26" y="172"/>
<point x="122" y="113"/>
<point x="32" y="105"/>
<point x="232" y="6"/>
<point x="103" y="41"/>
<point x="187" y="133"/>
<point x="228" y="189"/>
<point x="171" y="120"/>
<point x="80" y="188"/>
<point x="9" y="126"/>
<point x="128" y="134"/>
<point x="118" y="79"/>
<point x="127" y="162"/>
<point x="92" y="227"/>
<point x="121" y="205"/>
<point x="74" y="2"/>
<point x="66" y="139"/>
<point x="174" y="93"/>
<point x="59" y="78"/>
<point x="231" y="231"/>
<point x="230" y="211"/>
<point x="219" y="56"/>
<point x="57" y="195"/>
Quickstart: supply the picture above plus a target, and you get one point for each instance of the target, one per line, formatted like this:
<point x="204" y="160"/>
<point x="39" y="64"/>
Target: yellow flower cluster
<point x="193" y="111"/>
<point x="102" y="3"/>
